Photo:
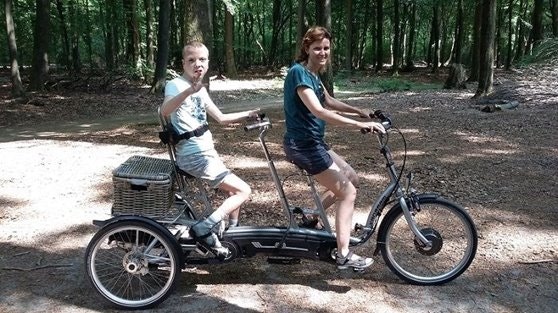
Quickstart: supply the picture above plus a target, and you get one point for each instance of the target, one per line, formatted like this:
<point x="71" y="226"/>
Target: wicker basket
<point x="144" y="186"/>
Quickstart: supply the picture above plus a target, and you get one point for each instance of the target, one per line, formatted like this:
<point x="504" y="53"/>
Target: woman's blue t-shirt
<point x="301" y="124"/>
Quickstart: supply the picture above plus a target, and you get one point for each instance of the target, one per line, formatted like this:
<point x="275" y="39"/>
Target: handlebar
<point x="261" y="122"/>
<point x="385" y="120"/>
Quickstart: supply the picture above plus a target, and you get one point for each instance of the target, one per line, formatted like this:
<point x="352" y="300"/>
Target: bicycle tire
<point x="132" y="264"/>
<point x="449" y="227"/>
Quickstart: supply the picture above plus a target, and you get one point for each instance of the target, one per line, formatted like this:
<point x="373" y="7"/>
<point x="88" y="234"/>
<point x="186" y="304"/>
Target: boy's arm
<point x="171" y="103"/>
<point x="227" y="118"/>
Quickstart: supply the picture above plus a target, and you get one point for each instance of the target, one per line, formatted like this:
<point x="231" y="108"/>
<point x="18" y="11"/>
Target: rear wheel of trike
<point x="132" y="264"/>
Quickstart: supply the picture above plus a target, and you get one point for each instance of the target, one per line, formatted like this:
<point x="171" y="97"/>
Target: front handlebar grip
<point x="264" y="122"/>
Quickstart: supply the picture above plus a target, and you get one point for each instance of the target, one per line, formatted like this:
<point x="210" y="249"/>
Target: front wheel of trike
<point x="132" y="264"/>
<point x="449" y="229"/>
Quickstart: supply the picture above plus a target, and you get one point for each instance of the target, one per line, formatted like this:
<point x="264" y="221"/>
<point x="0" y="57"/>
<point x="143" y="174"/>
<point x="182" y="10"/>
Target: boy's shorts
<point x="310" y="155"/>
<point x="206" y="165"/>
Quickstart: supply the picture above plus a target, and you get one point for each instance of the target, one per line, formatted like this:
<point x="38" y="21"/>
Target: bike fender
<point x="146" y="220"/>
<point x="395" y="209"/>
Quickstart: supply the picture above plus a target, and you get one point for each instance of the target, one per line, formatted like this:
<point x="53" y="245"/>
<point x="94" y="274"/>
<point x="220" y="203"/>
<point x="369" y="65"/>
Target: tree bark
<point x="323" y="10"/>
<point x="396" y="38"/>
<point x="487" y="48"/>
<point x="435" y="33"/>
<point x="133" y="42"/>
<point x="554" y="15"/>
<point x="537" y="32"/>
<point x="230" y="65"/>
<point x="379" y="35"/>
<point x="150" y="58"/>
<point x="459" y="28"/>
<point x="509" y="51"/>
<point x="17" y="86"/>
<point x="163" y="36"/>
<point x="301" y="25"/>
<point x="410" y="65"/>
<point x="349" y="36"/>
<point x="475" y="47"/>
<point x="41" y="38"/>
<point x="65" y="38"/>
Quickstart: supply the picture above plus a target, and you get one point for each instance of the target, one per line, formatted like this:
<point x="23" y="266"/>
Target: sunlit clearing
<point x="420" y="109"/>
<point x="246" y="162"/>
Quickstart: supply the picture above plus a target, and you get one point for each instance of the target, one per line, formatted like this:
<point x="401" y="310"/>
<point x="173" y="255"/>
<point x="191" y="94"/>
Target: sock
<point x="215" y="218"/>
<point x="233" y="222"/>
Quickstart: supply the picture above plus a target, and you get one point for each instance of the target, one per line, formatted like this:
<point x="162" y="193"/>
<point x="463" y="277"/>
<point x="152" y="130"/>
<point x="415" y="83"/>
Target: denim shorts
<point x="310" y="155"/>
<point x="206" y="165"/>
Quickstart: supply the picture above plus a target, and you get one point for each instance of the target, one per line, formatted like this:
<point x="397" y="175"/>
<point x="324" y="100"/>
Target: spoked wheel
<point x="132" y="264"/>
<point x="452" y="236"/>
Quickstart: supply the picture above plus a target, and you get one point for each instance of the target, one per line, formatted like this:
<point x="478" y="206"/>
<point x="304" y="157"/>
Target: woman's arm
<point x="337" y="105"/>
<point x="309" y="99"/>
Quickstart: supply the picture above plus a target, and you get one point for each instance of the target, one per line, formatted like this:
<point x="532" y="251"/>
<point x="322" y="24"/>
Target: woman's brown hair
<point x="315" y="33"/>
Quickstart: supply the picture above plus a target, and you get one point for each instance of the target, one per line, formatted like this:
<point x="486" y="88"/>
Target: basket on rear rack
<point x="144" y="186"/>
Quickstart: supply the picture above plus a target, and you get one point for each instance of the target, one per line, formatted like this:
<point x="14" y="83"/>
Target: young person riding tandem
<point x="308" y="107"/>
<point x="186" y="104"/>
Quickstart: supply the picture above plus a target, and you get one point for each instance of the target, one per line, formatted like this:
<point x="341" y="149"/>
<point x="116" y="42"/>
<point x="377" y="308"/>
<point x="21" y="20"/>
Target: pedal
<point x="283" y="260"/>
<point x="358" y="227"/>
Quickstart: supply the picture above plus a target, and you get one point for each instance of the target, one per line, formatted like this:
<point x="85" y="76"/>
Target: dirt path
<point x="501" y="167"/>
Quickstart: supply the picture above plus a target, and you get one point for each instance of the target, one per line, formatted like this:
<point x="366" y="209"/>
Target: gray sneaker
<point x="353" y="261"/>
<point x="203" y="233"/>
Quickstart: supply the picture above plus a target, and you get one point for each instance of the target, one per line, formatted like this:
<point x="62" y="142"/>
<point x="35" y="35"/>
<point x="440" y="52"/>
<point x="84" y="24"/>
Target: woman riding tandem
<point x="186" y="103"/>
<point x="307" y="106"/>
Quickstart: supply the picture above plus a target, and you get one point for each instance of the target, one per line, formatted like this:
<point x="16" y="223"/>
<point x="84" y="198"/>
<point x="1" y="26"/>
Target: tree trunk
<point x="554" y="15"/>
<point x="275" y="31"/>
<point x="323" y="7"/>
<point x="396" y="38"/>
<point x="379" y="35"/>
<point x="150" y="58"/>
<point x="435" y="37"/>
<point x="349" y="36"/>
<point x="65" y="38"/>
<point x="109" y="40"/>
<point x="301" y="25"/>
<point x="537" y="32"/>
<point x="475" y="47"/>
<point x="520" y="33"/>
<point x="163" y="36"/>
<point x="459" y="28"/>
<point x="133" y="42"/>
<point x="74" y="37"/>
<point x="230" y="65"/>
<point x="41" y="40"/>
<point x="487" y="48"/>
<point x="410" y="65"/>
<point x="509" y="52"/>
<point x="17" y="86"/>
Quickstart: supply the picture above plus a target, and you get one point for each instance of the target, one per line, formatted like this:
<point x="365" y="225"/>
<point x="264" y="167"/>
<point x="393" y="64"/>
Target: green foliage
<point x="546" y="51"/>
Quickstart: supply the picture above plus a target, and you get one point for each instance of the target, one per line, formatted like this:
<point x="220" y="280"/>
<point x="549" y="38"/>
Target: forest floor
<point x="58" y="150"/>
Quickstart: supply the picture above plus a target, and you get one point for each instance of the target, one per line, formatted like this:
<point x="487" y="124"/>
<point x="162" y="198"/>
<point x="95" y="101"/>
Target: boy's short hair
<point x="193" y="44"/>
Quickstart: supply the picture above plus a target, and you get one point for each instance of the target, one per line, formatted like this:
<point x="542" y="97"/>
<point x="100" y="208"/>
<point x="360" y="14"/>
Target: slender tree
<point x="17" y="86"/>
<point x="41" y="40"/>
<point x="412" y="35"/>
<point x="163" y="36"/>
<point x="475" y="47"/>
<point x="488" y="25"/>
<point x="323" y="17"/>
<point x="509" y="52"/>
<point x="554" y="16"/>
<point x="349" y="36"/>
<point x="396" y="38"/>
<point x="150" y="58"/>
<point x="230" y="65"/>
<point x="537" y="32"/>
<point x="379" y="35"/>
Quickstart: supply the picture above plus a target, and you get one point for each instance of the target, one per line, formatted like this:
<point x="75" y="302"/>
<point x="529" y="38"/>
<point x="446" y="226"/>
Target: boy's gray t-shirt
<point x="190" y="115"/>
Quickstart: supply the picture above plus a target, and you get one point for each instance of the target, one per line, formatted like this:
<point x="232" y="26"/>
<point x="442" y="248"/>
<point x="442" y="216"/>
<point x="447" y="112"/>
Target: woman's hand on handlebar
<point x="373" y="127"/>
